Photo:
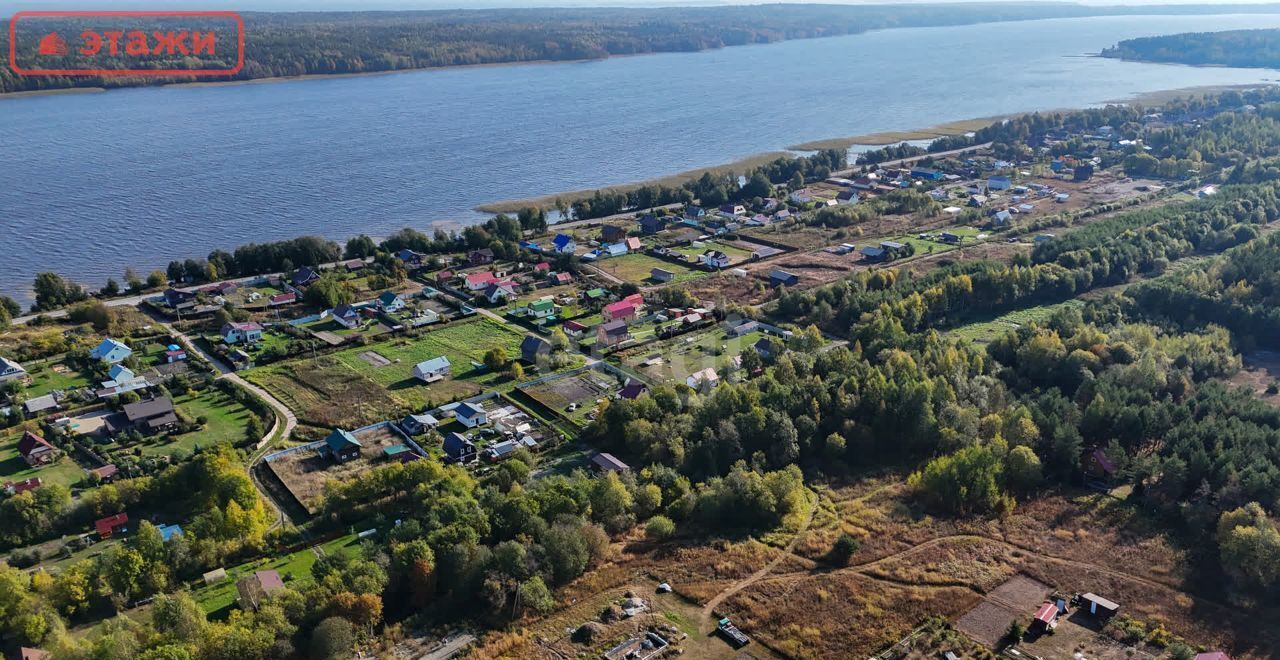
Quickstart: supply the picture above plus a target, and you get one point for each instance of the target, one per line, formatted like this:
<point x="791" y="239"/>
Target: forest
<point x="975" y="431"/>
<point x="319" y="43"/>
<point x="1236" y="48"/>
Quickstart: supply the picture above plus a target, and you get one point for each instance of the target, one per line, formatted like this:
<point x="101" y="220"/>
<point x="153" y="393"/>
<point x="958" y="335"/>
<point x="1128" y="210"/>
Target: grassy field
<point x="350" y="389"/>
<point x="13" y="468"/>
<point x="294" y="568"/>
<point x="985" y="331"/>
<point x="635" y="268"/>
<point x="463" y="343"/>
<point x="736" y="254"/>
<point x="228" y="420"/>
<point x="923" y="246"/>
<point x="53" y="377"/>
<point x="687" y="354"/>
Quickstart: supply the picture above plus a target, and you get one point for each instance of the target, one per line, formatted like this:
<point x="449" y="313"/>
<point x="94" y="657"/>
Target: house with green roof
<point x="399" y="452"/>
<point x="541" y="309"/>
<point x="341" y="446"/>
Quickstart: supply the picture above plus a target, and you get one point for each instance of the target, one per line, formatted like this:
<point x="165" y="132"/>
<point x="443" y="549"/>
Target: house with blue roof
<point x="458" y="449"/>
<point x="471" y="415"/>
<point x="168" y="532"/>
<point x="432" y="370"/>
<point x="873" y="254"/>
<point x="341" y="446"/>
<point x="564" y="244"/>
<point x="111" y="352"/>
<point x="615" y="249"/>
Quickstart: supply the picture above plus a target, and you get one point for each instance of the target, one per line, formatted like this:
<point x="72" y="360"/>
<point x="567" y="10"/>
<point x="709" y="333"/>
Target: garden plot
<point x="582" y="389"/>
<point x="306" y="472"/>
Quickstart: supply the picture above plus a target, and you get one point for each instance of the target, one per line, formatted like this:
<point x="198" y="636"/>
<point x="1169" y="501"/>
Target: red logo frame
<point x="13" y="44"/>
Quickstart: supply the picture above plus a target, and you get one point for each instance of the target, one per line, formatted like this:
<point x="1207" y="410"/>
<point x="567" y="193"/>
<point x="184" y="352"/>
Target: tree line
<point x="1238" y="48"/>
<point x="306" y="43"/>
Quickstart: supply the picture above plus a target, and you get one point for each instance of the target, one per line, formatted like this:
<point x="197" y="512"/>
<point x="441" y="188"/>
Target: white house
<point x="111" y="352"/>
<point x="564" y="244"/>
<point x="121" y="379"/>
<point x="499" y="291"/>
<point x="707" y="376"/>
<point x="801" y="196"/>
<point x="241" y="333"/>
<point x="470" y="415"/>
<point x="10" y="370"/>
<point x="432" y="370"/>
<point x="390" y="302"/>
<point x="346" y="316"/>
<point x="714" y="259"/>
<point x="480" y="281"/>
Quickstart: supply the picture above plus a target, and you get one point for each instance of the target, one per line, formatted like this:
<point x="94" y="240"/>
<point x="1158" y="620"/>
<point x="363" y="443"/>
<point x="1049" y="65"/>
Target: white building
<point x="432" y="370"/>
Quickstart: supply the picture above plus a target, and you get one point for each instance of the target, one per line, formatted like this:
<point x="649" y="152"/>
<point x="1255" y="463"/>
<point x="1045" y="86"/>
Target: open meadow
<point x="366" y="384"/>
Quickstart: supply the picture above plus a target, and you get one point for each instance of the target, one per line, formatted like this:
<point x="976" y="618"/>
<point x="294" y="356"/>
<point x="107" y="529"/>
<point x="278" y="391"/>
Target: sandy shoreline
<point x="883" y="138"/>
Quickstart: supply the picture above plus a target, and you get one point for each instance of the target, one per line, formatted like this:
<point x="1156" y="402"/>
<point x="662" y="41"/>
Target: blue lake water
<point x="92" y="183"/>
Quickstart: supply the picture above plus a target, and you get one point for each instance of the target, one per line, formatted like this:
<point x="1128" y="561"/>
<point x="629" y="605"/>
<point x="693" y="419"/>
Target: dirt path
<point x="708" y="611"/>
<point x="283" y="416"/>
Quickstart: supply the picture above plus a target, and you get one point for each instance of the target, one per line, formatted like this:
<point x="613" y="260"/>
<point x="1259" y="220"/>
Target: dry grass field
<point x="911" y="566"/>
<point x="305" y="473"/>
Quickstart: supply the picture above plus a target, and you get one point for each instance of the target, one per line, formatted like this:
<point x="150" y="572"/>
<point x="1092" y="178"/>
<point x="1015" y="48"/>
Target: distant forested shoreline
<point x="328" y="43"/>
<point x="1236" y="48"/>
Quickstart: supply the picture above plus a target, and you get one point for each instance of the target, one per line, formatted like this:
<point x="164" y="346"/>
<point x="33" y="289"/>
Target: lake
<point x="92" y="183"/>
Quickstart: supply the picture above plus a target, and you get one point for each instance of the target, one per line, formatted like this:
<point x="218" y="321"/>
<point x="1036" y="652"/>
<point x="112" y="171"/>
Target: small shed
<point x="215" y="576"/>
<point x="604" y="462"/>
<point x="1099" y="606"/>
<point x="783" y="278"/>
<point x="1046" y="617"/>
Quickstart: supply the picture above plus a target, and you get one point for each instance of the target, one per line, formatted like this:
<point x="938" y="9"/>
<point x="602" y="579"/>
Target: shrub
<point x="844" y="547"/>
<point x="659" y="527"/>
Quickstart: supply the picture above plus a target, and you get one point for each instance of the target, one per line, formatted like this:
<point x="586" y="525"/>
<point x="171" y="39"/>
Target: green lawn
<point x="45" y="380"/>
<point x="736" y="254"/>
<point x="636" y="267"/>
<point x="985" y="331"/>
<point x="462" y="342"/>
<point x="687" y="354"/>
<point x="227" y="421"/>
<point x="922" y="246"/>
<point x="13" y="468"/>
<point x="294" y="569"/>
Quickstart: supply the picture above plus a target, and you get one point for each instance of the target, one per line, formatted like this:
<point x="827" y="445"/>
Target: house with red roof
<point x="619" y="311"/>
<point x="574" y="329"/>
<point x="1046" y="618"/>
<point x="37" y="451"/>
<point x="112" y="524"/>
<point x="624" y="310"/>
<point x="106" y="473"/>
<point x="24" y="486"/>
<point x="480" y="281"/>
<point x="287" y="298"/>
